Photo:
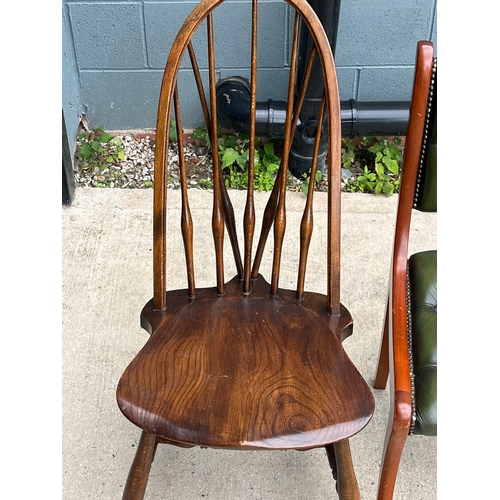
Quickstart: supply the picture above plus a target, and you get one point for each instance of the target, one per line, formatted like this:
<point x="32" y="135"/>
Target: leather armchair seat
<point x="423" y="346"/>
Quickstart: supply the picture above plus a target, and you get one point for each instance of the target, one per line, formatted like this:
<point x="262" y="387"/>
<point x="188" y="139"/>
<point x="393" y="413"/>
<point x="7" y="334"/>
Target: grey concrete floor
<point x="107" y="278"/>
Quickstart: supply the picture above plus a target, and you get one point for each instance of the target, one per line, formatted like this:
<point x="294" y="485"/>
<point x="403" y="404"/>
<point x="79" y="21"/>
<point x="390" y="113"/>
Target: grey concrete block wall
<point x="377" y="42"/>
<point x="121" y="48"/>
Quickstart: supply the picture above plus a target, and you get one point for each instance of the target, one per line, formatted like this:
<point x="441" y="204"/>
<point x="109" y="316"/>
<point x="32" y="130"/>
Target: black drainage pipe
<point x="358" y="118"/>
<point x="374" y="118"/>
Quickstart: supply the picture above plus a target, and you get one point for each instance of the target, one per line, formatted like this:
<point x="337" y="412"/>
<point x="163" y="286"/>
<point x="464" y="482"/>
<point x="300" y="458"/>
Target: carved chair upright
<point x="246" y="364"/>
<point x="408" y="351"/>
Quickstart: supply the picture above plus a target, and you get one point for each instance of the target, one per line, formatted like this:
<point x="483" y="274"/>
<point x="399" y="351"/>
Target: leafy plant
<point x="206" y="183"/>
<point x="307" y="179"/>
<point x="234" y="154"/>
<point x="382" y="176"/>
<point x="348" y="153"/>
<point x="100" y="149"/>
<point x="364" y="183"/>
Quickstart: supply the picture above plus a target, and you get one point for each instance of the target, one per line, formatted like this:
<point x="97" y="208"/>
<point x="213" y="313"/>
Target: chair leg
<point x="330" y="453"/>
<point x="339" y="456"/>
<point x="383" y="359"/>
<point x="393" y="449"/>
<point x="137" y="479"/>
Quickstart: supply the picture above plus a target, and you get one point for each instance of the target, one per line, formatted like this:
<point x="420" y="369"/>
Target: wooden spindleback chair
<point x="246" y="364"/>
<point x="408" y="350"/>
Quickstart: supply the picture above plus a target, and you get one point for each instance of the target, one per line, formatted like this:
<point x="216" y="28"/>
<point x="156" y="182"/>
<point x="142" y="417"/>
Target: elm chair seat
<point x="279" y="351"/>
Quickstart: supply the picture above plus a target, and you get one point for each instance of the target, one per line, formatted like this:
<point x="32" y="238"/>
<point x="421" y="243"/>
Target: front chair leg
<point x="339" y="456"/>
<point x="137" y="479"/>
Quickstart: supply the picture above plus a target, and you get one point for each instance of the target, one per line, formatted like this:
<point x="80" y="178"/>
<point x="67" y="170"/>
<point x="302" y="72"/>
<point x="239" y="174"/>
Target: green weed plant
<point x="100" y="149"/>
<point x="381" y="173"/>
<point x="234" y="152"/>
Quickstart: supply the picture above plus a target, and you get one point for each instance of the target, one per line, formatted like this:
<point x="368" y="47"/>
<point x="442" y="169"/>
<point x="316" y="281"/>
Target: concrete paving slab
<point x="107" y="278"/>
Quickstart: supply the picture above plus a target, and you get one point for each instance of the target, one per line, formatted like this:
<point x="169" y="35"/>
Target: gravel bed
<point x="136" y="169"/>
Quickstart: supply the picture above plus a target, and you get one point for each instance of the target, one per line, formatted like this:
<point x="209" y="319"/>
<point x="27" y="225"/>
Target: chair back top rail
<point x="275" y="212"/>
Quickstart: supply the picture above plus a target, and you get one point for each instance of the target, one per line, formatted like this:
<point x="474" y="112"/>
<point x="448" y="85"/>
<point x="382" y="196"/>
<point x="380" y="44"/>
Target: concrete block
<point x="381" y="33"/>
<point x="107" y="35"/>
<point x="122" y="99"/>
<point x="385" y="84"/>
<point x="163" y="21"/>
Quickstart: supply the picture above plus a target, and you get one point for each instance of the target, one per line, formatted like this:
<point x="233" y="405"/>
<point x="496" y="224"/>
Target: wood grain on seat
<point x="243" y="371"/>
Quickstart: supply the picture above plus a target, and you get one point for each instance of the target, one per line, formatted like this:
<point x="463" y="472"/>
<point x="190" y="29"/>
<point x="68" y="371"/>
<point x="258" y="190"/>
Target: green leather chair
<point x="408" y="352"/>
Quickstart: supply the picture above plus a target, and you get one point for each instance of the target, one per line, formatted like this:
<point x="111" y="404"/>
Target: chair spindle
<point x="217" y="215"/>
<point x="249" y="215"/>
<point x="186" y="220"/>
<point x="306" y="226"/>
<point x="270" y="210"/>
<point x="333" y="241"/>
<point x="227" y="206"/>
<point x="280" y="218"/>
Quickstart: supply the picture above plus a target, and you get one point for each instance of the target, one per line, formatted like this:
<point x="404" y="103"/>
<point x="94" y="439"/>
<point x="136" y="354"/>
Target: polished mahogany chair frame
<point x="396" y="352"/>
<point x="246" y="364"/>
